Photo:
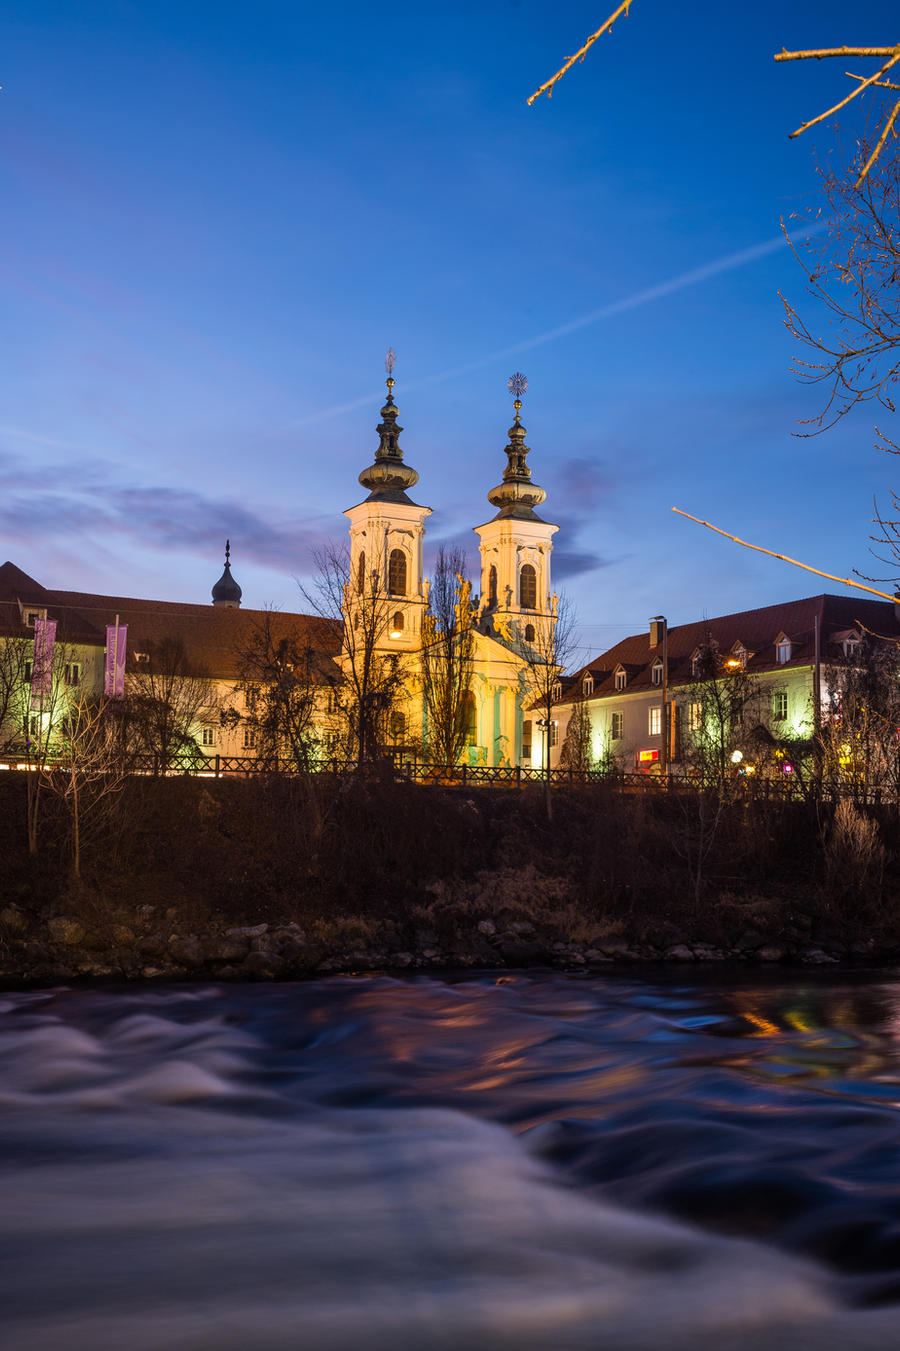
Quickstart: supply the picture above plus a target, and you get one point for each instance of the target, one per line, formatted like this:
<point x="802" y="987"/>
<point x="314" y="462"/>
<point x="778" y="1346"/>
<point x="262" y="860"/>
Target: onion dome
<point x="517" y="495"/>
<point x="226" y="592"/>
<point x="388" y="478"/>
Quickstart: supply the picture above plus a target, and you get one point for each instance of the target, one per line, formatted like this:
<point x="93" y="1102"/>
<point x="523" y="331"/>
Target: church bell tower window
<point x="528" y="587"/>
<point x="397" y="573"/>
<point x="361" y="572"/>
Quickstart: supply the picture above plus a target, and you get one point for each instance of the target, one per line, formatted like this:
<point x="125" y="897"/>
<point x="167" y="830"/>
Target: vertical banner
<point x="114" y="684"/>
<point x="42" y="666"/>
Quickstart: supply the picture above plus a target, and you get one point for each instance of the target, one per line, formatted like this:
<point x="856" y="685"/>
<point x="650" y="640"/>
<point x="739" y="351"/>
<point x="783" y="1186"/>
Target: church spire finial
<point x="388" y="474"/>
<point x="516" y="495"/>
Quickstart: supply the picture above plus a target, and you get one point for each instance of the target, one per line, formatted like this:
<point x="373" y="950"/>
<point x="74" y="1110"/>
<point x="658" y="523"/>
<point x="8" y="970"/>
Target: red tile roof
<point x="757" y="630"/>
<point x="213" y="637"/>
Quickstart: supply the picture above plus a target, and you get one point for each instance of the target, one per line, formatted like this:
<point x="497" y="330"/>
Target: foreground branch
<point x="547" y="88"/>
<point x="844" y="581"/>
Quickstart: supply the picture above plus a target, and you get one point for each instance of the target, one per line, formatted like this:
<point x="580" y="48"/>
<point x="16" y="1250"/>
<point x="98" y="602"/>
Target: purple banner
<point x="42" y="666"/>
<point x="114" y="684"/>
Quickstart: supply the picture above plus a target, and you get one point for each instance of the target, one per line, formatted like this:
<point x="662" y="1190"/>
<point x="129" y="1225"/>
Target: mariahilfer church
<point x="103" y="642"/>
<point x="637" y="706"/>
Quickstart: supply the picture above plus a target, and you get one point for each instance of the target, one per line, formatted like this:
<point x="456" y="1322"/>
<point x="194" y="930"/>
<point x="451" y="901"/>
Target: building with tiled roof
<point x="785" y="651"/>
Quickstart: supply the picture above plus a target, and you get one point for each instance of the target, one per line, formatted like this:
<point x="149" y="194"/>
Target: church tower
<point x="516" y="601"/>
<point x="386" y="535"/>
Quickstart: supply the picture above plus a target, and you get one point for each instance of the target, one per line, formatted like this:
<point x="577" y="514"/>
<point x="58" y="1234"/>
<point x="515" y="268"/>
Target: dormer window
<point x="142" y="657"/>
<point x="557" y="691"/>
<point x="587" y="685"/>
<point x="30" y="614"/>
<point x="783" y="650"/>
<point x="656" y="673"/>
<point x="697" y="663"/>
<point x="851" y="645"/>
<point x="739" y="657"/>
<point x="621" y="678"/>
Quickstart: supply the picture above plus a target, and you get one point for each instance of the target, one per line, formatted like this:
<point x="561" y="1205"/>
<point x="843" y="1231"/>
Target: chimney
<point x="657" y="630"/>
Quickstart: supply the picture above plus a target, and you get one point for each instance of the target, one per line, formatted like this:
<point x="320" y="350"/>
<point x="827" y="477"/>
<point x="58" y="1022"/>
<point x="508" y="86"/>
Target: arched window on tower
<point x="528" y="587"/>
<point x="397" y="625"/>
<point x="361" y="572"/>
<point x="471" y="719"/>
<point x="492" y="587"/>
<point x="397" y="573"/>
<point x="529" y="633"/>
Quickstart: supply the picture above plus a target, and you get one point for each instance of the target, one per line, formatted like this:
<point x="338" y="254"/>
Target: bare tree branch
<point x="844" y="581"/>
<point x="547" y="87"/>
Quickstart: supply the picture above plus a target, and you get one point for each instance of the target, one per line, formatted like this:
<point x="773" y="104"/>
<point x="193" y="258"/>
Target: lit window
<point x="397" y="624"/>
<point x="655" y="720"/>
<point x="397" y="573"/>
<point x="621" y="679"/>
<point x="529" y="633"/>
<point x="554" y="734"/>
<point x="783" y="650"/>
<point x="249" y="738"/>
<point x="72" y="674"/>
<point x="656" y="673"/>
<point x="617" y="730"/>
<point x="208" y="736"/>
<point x="695" y="716"/>
<point x="587" y="685"/>
<point x="780" y="704"/>
<point x="528" y="587"/>
<point x="470" y="714"/>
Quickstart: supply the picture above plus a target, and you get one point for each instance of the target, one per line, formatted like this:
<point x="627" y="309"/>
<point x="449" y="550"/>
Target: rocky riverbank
<point x="144" y="945"/>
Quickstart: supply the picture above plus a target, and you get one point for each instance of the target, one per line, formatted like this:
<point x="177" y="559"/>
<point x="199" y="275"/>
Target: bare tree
<point x="577" y="749"/>
<point x="165" y="698"/>
<point x="448" y="651"/>
<point x="723" y="712"/>
<point x="14" y="693"/>
<point x="544" y="657"/>
<point x="853" y="269"/>
<point x="375" y="680"/>
<point x="860" y="747"/>
<point x="282" y="678"/>
<point x="89" y="768"/>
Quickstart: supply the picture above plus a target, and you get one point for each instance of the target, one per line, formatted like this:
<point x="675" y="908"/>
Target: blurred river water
<point x="682" y="1162"/>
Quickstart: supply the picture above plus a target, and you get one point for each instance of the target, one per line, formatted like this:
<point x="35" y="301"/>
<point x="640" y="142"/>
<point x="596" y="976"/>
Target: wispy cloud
<point x="727" y="262"/>
<point x="64" y="502"/>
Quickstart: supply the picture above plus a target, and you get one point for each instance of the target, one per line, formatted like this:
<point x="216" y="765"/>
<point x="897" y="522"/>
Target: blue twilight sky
<point x="217" y="216"/>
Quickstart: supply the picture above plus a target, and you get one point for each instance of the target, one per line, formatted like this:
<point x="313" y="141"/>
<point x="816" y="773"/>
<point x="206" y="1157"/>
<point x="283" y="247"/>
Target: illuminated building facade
<point x="646" y="699"/>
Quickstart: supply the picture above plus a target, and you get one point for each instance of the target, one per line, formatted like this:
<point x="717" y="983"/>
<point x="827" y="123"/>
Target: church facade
<point x="61" y="646"/>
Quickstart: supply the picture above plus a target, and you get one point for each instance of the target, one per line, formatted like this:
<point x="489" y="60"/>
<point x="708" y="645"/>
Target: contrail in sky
<point x="727" y="263"/>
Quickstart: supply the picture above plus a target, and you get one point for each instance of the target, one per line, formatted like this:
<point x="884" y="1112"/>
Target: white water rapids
<point x="478" y="1165"/>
